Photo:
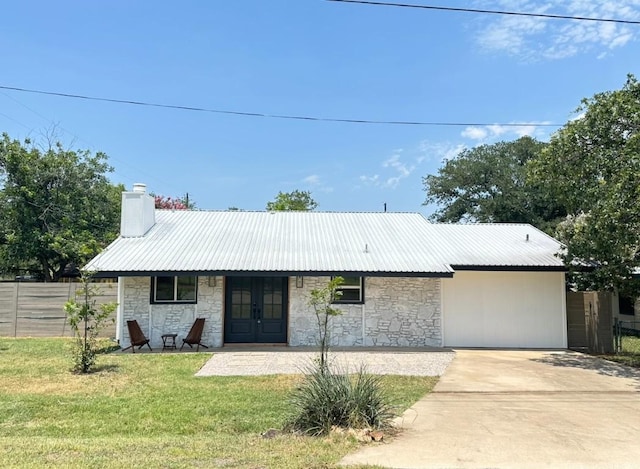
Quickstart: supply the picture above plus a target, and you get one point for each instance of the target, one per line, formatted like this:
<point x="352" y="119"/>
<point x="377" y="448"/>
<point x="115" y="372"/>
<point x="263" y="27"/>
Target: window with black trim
<point x="626" y="305"/>
<point x="174" y="289"/>
<point x="352" y="290"/>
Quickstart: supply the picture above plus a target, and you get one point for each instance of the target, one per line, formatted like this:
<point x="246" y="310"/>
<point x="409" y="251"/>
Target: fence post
<point x="15" y="311"/>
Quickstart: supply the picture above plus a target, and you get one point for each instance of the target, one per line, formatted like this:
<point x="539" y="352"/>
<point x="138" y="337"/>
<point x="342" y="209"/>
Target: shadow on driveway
<point x="587" y="362"/>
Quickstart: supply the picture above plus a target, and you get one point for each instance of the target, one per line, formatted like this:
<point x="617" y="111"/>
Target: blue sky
<point x="302" y="57"/>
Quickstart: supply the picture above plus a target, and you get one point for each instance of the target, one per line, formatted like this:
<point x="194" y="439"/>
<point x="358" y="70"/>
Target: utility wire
<point x="494" y="12"/>
<point x="273" y="116"/>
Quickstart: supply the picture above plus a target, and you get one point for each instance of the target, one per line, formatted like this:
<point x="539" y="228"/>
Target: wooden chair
<point x="136" y="336"/>
<point x="195" y="335"/>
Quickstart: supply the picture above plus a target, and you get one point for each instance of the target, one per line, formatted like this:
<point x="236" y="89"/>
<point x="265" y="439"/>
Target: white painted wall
<point x="505" y="309"/>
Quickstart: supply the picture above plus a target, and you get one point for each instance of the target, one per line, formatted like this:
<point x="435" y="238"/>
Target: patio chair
<point x="194" y="336"/>
<point x="136" y="336"/>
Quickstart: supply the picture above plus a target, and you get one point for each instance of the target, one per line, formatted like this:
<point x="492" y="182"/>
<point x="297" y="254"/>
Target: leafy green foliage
<point x="488" y="183"/>
<point x="592" y="166"/>
<point x="86" y="319"/>
<point x="321" y="300"/>
<point x="293" y="201"/>
<point x="326" y="399"/>
<point x="58" y="208"/>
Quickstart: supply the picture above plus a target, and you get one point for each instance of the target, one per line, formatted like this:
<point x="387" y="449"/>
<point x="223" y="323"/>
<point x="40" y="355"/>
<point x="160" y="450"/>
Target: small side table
<point x="168" y="341"/>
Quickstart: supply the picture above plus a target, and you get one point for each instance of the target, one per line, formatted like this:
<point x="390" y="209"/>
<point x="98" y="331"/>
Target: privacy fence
<point x="36" y="309"/>
<point x="590" y="321"/>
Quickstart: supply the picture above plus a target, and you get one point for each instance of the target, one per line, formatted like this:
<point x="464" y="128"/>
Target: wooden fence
<point x="36" y="309"/>
<point x="590" y="321"/>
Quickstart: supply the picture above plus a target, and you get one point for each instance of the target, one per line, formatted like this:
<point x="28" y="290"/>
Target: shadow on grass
<point x="111" y="368"/>
<point x="108" y="349"/>
<point x="587" y="362"/>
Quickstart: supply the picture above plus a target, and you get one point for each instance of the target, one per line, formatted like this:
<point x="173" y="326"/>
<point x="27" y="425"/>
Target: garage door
<point x="504" y="309"/>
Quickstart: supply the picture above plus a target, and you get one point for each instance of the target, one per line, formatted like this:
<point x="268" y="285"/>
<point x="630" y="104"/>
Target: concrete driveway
<point x="520" y="409"/>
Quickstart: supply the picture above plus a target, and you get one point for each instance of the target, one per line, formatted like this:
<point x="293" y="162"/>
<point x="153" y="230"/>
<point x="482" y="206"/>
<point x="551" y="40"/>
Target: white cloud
<point x="402" y="170"/>
<point x="396" y="170"/>
<point x="474" y="133"/>
<point x="312" y="180"/>
<point x="316" y="183"/>
<point x="495" y="131"/>
<point x="532" y="38"/>
<point x="440" y="151"/>
<point x="370" y="180"/>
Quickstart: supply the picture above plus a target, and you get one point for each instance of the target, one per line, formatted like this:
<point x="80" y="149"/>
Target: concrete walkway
<point x="520" y="409"/>
<point x="247" y="361"/>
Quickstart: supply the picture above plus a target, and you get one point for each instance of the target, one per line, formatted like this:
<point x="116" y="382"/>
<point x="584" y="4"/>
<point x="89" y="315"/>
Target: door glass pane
<point x="241" y="298"/>
<point x="268" y="312"/>
<point x="272" y="299"/>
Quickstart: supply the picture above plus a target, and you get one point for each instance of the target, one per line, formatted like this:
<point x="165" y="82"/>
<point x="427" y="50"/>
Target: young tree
<point x="592" y="166"/>
<point x="293" y="201"/>
<point x="58" y="207"/>
<point x="488" y="184"/>
<point x="86" y="320"/>
<point x="321" y="300"/>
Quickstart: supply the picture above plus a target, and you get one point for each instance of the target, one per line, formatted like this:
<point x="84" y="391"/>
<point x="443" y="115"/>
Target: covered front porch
<point x="392" y="312"/>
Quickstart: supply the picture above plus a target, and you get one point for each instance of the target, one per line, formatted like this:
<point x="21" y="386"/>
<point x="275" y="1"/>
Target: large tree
<point x="592" y="165"/>
<point x="58" y="208"/>
<point x="488" y="183"/>
<point x="291" y="201"/>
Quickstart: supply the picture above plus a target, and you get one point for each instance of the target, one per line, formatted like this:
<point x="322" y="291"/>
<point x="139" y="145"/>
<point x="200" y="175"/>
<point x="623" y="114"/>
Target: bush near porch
<point x="151" y="408"/>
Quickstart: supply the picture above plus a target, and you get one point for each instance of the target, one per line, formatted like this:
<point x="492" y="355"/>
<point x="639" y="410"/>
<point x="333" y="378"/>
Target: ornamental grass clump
<point x="326" y="399"/>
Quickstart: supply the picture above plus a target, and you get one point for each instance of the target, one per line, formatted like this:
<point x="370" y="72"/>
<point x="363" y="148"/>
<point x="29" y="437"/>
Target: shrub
<point x="326" y="399"/>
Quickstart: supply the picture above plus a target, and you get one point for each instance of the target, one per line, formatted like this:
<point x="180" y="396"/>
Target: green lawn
<point x="630" y="354"/>
<point x="149" y="410"/>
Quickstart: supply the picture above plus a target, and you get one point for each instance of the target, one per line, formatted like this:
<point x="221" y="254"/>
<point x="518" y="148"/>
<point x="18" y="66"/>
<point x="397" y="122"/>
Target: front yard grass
<point x="150" y="410"/>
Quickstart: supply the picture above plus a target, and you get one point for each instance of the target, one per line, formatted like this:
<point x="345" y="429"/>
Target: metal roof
<point x="497" y="245"/>
<point x="227" y="242"/>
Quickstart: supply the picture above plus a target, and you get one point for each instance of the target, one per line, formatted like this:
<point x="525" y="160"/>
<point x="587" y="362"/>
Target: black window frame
<point x="343" y="288"/>
<point x="175" y="300"/>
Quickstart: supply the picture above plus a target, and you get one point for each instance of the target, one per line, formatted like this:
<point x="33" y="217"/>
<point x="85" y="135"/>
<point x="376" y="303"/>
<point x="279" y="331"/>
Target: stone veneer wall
<point x="158" y="319"/>
<point x="398" y="311"/>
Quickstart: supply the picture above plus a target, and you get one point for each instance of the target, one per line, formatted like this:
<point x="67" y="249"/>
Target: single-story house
<point x="408" y="282"/>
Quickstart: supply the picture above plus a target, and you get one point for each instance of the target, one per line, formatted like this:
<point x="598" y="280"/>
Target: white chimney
<point x="138" y="212"/>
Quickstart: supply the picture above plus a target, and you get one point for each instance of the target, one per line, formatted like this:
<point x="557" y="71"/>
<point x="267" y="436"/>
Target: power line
<point x="274" y="116"/>
<point x="57" y="126"/>
<point x="494" y="12"/>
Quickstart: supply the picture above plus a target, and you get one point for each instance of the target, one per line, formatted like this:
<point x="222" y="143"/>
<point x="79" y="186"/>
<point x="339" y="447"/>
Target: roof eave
<point x="248" y="273"/>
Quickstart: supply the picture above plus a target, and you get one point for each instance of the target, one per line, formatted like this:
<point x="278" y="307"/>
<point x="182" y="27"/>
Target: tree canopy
<point x="489" y="183"/>
<point x="174" y="203"/>
<point x="291" y="201"/>
<point x="58" y="208"/>
<point x="592" y="166"/>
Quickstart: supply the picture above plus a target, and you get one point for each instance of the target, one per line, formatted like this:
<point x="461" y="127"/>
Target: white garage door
<point x="504" y="309"/>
